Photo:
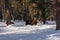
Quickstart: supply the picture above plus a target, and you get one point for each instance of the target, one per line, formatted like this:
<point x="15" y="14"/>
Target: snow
<point x="20" y="31"/>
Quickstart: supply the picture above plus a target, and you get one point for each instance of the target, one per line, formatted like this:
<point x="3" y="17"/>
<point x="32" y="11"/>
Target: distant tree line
<point x="27" y="10"/>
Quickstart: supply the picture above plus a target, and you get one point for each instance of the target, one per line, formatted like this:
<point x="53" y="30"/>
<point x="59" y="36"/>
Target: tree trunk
<point x="43" y="16"/>
<point x="8" y="20"/>
<point x="58" y="16"/>
<point x="8" y="11"/>
<point x="43" y="11"/>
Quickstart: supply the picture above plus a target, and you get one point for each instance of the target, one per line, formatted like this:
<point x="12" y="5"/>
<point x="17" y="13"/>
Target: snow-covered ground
<point x="20" y="31"/>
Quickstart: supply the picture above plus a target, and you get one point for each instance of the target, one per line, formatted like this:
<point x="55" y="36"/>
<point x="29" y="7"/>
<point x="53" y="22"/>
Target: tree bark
<point x="43" y="16"/>
<point x="58" y="16"/>
<point x="8" y="11"/>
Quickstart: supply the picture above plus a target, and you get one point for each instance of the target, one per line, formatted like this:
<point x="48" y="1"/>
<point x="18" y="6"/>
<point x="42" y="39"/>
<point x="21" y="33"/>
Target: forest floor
<point x="20" y="31"/>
